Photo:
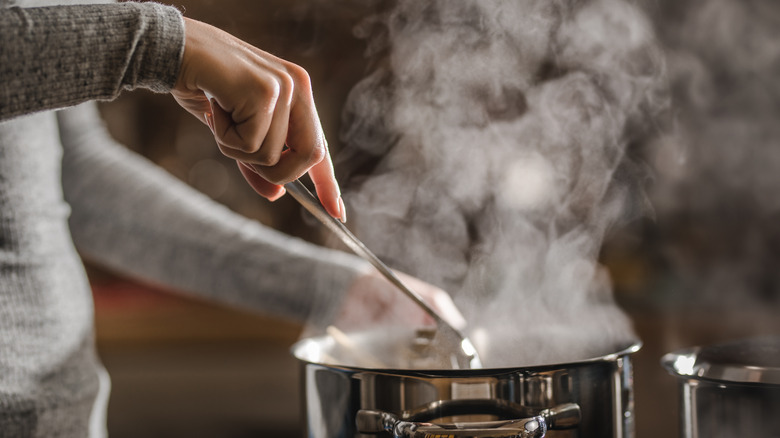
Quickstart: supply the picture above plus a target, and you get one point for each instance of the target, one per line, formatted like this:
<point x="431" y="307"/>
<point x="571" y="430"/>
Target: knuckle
<point x="317" y="154"/>
<point x="262" y="88"/>
<point x="301" y="79"/>
<point x="265" y="158"/>
<point x="287" y="80"/>
<point x="274" y="92"/>
<point x="286" y="86"/>
<point x="299" y="75"/>
<point x="249" y="147"/>
<point x="241" y="146"/>
<point x="270" y="92"/>
<point x="275" y="89"/>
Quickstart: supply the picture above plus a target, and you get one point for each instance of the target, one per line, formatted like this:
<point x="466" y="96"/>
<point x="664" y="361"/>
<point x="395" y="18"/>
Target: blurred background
<point x="700" y="267"/>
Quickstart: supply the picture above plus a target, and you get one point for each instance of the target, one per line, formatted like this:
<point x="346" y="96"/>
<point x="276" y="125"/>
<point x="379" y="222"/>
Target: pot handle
<point x="563" y="416"/>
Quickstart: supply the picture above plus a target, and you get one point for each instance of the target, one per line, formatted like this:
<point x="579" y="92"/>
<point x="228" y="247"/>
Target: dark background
<point x="700" y="269"/>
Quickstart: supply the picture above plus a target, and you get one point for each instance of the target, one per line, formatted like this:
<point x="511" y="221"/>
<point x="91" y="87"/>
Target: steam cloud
<point x="718" y="180"/>
<point x="488" y="152"/>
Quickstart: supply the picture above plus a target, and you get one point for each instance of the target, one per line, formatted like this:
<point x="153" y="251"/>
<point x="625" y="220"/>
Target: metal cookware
<point x="588" y="398"/>
<point x="730" y="389"/>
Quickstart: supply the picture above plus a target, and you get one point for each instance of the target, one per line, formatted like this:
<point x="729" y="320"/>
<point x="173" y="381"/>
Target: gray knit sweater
<point x="64" y="184"/>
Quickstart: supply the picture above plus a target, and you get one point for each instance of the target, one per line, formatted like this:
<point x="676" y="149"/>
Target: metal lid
<point x="754" y="360"/>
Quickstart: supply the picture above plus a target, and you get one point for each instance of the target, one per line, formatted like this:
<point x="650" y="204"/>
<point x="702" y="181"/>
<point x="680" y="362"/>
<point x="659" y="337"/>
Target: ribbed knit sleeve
<point x="53" y="57"/>
<point x="133" y="217"/>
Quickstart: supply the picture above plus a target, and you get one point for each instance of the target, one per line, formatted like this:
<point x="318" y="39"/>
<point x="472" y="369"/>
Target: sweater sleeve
<point x="135" y="218"/>
<point x="53" y="57"/>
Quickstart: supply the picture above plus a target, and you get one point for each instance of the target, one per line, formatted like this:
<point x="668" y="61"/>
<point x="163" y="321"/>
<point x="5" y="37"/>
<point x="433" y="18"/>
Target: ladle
<point x="447" y="340"/>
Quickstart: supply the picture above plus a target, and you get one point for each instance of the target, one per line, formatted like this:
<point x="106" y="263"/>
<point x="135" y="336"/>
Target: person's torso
<point x="47" y="360"/>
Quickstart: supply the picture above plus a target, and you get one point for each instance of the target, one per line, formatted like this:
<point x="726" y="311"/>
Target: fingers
<point x="309" y="135"/>
<point x="268" y="190"/>
<point x="308" y="149"/>
<point x="262" y="112"/>
<point x="257" y="136"/>
<point x="299" y="129"/>
<point x="328" y="189"/>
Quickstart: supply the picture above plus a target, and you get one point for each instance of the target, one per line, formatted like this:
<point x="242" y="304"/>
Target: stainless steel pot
<point x="729" y="390"/>
<point x="588" y="398"/>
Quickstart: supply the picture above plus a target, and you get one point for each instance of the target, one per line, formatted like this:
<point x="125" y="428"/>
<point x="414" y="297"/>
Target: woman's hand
<point x="260" y="105"/>
<point x="373" y="301"/>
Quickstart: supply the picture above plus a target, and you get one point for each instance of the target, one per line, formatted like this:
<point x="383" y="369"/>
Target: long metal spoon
<point x="462" y="353"/>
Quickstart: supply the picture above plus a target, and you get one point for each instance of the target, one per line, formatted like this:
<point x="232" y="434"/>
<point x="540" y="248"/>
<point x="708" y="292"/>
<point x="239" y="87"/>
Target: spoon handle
<point x="302" y="194"/>
<point x="468" y="356"/>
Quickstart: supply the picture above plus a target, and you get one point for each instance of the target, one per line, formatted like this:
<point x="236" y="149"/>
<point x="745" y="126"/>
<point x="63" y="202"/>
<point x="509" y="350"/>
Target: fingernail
<point x="279" y="195"/>
<point x="209" y="121"/>
<point x="342" y="211"/>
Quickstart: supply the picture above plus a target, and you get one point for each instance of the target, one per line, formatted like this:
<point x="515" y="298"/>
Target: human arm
<point x="54" y="57"/>
<point x="134" y="218"/>
<point x="59" y="56"/>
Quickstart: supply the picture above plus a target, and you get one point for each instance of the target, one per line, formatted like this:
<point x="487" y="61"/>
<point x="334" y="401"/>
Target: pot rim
<point x="306" y="343"/>
<point x="729" y="362"/>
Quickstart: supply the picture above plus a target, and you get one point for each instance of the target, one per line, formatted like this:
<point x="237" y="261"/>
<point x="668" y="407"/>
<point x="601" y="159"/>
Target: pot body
<point x="337" y="395"/>
<point x="730" y="389"/>
<point x="716" y="409"/>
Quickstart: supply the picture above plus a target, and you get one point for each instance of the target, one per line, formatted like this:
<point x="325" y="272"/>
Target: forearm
<point x="134" y="217"/>
<point x="53" y="57"/>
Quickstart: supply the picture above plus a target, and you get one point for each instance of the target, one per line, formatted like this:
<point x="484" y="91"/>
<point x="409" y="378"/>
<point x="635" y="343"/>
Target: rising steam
<point x="488" y="152"/>
<point x="718" y="199"/>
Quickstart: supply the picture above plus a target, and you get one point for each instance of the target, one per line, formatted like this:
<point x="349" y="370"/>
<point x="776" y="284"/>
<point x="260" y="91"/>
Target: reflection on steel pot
<point x="729" y="390"/>
<point x="588" y="398"/>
